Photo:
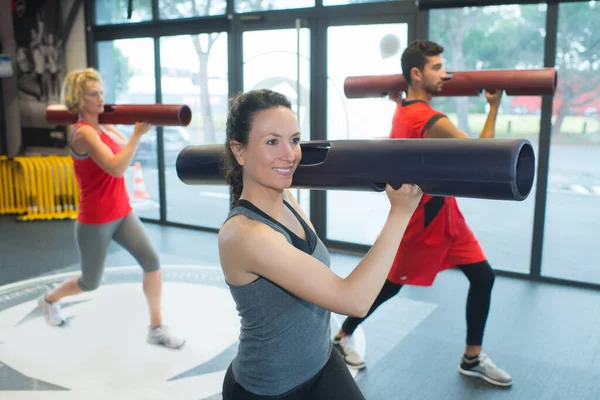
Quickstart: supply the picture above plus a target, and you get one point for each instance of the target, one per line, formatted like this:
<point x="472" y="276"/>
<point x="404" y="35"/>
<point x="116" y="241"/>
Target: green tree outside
<point x="123" y="72"/>
<point x="512" y="36"/>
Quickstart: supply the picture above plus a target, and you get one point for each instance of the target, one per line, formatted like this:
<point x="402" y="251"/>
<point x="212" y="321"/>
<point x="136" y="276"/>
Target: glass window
<point x="242" y="6"/>
<point x="345" y="2"/>
<point x="115" y="11"/>
<point x="477" y="38"/>
<point x="171" y="9"/>
<point x="194" y="72"/>
<point x="271" y="60"/>
<point x="354" y="216"/>
<point x="572" y="212"/>
<point x="127" y="69"/>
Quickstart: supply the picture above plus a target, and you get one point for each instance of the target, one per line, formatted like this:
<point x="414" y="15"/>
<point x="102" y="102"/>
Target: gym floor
<point x="546" y="336"/>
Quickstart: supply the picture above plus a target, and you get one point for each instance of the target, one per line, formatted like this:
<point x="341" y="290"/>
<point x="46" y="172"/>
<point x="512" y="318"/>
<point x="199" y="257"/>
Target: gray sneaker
<point x="161" y="335"/>
<point x="483" y="367"/>
<point x="52" y="312"/>
<point x="350" y="356"/>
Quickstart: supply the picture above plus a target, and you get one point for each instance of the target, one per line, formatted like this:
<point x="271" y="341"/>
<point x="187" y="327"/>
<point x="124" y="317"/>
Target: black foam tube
<point x="496" y="169"/>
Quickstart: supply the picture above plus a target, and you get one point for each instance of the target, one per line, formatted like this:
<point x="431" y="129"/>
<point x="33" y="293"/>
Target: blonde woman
<point x="101" y="155"/>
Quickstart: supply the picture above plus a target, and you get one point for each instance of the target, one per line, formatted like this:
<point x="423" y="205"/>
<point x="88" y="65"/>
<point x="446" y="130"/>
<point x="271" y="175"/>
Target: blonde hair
<point x="73" y="87"/>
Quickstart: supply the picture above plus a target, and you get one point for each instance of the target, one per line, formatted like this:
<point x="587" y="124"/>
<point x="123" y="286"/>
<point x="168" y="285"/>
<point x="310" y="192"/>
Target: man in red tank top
<point x="437" y="237"/>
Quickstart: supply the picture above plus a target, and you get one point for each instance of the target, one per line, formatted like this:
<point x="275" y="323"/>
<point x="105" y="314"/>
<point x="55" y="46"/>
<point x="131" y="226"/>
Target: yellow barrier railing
<point x="38" y="187"/>
<point x="10" y="200"/>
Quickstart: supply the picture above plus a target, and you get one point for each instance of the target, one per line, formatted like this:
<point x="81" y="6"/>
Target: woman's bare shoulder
<point x="242" y="244"/>
<point x="240" y="228"/>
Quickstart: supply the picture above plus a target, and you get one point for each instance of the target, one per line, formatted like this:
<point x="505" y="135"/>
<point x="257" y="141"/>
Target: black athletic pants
<point x="333" y="382"/>
<point x="480" y="275"/>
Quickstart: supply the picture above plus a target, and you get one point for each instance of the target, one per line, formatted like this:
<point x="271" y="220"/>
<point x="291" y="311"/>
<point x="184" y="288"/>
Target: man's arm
<point x="395" y="96"/>
<point x="443" y="128"/>
<point x="489" y="128"/>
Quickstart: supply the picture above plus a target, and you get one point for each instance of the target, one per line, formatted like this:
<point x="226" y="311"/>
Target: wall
<point x="75" y="58"/>
<point x="9" y="94"/>
<point x="75" y="49"/>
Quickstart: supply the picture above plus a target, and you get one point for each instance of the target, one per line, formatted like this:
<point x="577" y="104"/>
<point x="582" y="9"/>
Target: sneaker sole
<point x="180" y="346"/>
<point x="160" y="343"/>
<point x="356" y="366"/>
<point x="41" y="305"/>
<point x="484" y="377"/>
<point x="341" y="353"/>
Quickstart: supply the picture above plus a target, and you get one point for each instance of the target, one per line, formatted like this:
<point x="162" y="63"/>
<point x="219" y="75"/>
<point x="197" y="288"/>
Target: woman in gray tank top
<point x="277" y="268"/>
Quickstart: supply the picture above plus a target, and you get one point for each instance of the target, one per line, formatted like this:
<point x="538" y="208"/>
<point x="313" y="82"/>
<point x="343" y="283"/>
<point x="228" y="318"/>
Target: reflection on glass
<point x="194" y="72"/>
<point x="345" y="2"/>
<point x="171" y="9"/>
<point x="115" y="11"/>
<point x="271" y="62"/>
<point x="127" y="69"/>
<point x="357" y="217"/>
<point x="243" y="6"/>
<point x="476" y="38"/>
<point x="572" y="212"/>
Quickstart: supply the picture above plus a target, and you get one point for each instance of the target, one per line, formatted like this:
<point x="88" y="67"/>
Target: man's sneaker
<point x="350" y="356"/>
<point x="52" y="312"/>
<point x="482" y="367"/>
<point x="162" y="335"/>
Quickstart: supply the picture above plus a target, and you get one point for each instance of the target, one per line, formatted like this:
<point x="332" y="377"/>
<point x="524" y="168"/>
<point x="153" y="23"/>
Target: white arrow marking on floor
<point x="579" y="189"/>
<point x="596" y="190"/>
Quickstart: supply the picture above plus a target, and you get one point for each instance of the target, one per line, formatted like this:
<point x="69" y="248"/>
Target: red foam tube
<point x="127" y="114"/>
<point x="519" y="82"/>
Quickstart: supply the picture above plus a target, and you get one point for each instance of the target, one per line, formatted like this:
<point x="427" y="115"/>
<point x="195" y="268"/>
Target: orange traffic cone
<point x="139" y="187"/>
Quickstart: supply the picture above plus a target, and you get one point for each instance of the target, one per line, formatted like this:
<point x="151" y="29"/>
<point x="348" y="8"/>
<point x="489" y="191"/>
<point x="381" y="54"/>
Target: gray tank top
<point x="284" y="340"/>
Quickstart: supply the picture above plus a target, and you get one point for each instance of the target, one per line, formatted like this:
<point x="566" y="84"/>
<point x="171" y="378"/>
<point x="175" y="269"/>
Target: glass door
<point x="353" y="50"/>
<point x="572" y="214"/>
<point x="194" y="72"/>
<point x="279" y="60"/>
<point x="127" y="69"/>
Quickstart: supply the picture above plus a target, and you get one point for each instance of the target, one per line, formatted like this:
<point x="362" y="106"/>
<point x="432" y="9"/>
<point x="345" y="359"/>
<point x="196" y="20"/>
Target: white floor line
<point x="579" y="189"/>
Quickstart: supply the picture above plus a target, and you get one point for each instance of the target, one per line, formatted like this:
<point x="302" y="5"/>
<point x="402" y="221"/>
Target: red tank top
<point x="412" y="120"/>
<point x="103" y="197"/>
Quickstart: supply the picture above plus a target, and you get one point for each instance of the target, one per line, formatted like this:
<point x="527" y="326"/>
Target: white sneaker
<point x="52" y="312"/>
<point x="161" y="335"/>
<point x="350" y="356"/>
<point x="483" y="367"/>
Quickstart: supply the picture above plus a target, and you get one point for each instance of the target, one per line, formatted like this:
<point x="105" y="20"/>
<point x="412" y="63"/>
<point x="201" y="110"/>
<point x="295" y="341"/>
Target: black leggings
<point x="333" y="382"/>
<point x="480" y="275"/>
